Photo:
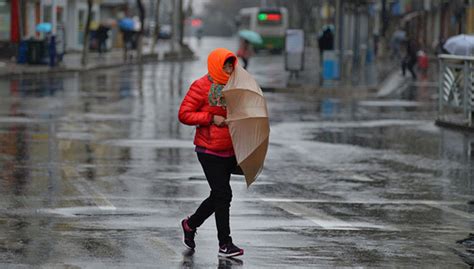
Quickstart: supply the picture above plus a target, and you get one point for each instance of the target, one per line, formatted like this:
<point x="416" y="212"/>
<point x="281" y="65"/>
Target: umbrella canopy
<point x="247" y="117"/>
<point x="127" y="24"/>
<point x="460" y="45"/>
<point x="251" y="36"/>
<point x="399" y="35"/>
<point x="44" y="27"/>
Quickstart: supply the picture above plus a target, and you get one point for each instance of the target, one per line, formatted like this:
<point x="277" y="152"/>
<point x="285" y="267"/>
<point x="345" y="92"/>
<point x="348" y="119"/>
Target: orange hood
<point x="215" y="63"/>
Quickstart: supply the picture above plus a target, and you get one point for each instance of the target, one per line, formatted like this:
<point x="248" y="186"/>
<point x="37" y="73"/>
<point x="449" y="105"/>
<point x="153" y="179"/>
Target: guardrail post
<point x="440" y="87"/>
<point x="465" y="93"/>
<point x="456" y="89"/>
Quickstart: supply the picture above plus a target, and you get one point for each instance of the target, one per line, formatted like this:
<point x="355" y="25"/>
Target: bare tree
<point x="141" y="14"/>
<point x="85" y="49"/>
<point x="181" y="23"/>
<point x="157" y="25"/>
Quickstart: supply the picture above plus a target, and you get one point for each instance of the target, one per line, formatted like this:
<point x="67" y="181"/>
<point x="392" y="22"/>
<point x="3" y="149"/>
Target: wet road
<point x="97" y="172"/>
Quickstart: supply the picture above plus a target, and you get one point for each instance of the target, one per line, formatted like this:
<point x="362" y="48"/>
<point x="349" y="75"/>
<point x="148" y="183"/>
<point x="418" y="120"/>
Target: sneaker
<point x="188" y="239"/>
<point x="229" y="250"/>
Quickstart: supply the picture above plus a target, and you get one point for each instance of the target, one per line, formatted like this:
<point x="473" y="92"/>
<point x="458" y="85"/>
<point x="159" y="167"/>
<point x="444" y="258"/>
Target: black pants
<point x="102" y="46"/>
<point x="217" y="171"/>
<point x="410" y="65"/>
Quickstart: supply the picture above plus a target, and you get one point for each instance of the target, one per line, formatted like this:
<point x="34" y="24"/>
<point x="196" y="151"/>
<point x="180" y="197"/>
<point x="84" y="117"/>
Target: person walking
<point x="325" y="42"/>
<point x="127" y="37"/>
<point x="204" y="107"/>
<point x="245" y="51"/>
<point x="102" y="36"/>
<point x="410" y="59"/>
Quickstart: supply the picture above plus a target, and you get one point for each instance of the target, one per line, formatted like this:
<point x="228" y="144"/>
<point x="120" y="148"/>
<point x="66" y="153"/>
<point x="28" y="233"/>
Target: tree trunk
<point x="141" y="14"/>
<point x="85" y="49"/>
<point x="181" y="23"/>
<point x="157" y="25"/>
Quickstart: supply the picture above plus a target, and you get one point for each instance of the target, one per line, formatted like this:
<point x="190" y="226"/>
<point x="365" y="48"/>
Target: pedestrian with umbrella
<point x="205" y="107"/>
<point x="462" y="45"/>
<point x="127" y="26"/>
<point x="245" y="51"/>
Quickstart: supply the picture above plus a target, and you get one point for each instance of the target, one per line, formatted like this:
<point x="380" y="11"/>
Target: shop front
<point x="77" y="17"/>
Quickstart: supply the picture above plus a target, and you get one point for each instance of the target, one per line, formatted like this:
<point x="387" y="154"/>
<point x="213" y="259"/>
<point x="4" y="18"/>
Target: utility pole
<point x="356" y="43"/>
<point x="340" y="35"/>
<point x="384" y="18"/>
<point x="141" y="13"/>
<point x="180" y="23"/>
<point x="85" y="48"/>
<point x="156" y="31"/>
<point x="175" y="32"/>
<point x="21" y="16"/>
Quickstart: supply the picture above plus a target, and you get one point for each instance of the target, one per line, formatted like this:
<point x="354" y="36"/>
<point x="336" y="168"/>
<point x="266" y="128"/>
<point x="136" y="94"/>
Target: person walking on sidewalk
<point x="325" y="42"/>
<point x="409" y="61"/>
<point x="204" y="107"/>
<point x="102" y="36"/>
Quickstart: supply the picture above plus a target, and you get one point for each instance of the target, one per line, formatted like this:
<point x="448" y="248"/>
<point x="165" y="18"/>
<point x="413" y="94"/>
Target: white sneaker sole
<point x="231" y="254"/>
<point x="188" y="247"/>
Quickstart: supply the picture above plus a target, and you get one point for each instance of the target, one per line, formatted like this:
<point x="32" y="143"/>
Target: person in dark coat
<point x="409" y="61"/>
<point x="102" y="36"/>
<point x="326" y="41"/>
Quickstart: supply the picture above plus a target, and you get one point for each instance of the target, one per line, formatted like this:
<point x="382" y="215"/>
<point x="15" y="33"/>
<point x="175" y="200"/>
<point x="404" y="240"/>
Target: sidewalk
<point x="363" y="79"/>
<point x="72" y="61"/>
<point x="380" y="78"/>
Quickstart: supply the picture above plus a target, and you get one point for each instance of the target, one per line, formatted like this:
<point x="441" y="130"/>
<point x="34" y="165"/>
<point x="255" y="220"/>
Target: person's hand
<point x="218" y="120"/>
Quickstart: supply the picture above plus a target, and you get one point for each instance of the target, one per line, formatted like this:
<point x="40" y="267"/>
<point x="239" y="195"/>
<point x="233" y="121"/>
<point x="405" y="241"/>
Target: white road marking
<point x="396" y="202"/>
<point x="150" y="143"/>
<point x="20" y="120"/>
<point x="87" y="189"/>
<point x="451" y="210"/>
<point x="326" y="221"/>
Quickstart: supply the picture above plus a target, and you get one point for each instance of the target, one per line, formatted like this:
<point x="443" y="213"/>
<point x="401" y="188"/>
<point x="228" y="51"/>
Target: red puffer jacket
<point x="195" y="110"/>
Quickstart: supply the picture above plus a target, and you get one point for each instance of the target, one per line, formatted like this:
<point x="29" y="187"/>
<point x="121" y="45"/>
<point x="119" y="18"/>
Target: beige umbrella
<point x="247" y="117"/>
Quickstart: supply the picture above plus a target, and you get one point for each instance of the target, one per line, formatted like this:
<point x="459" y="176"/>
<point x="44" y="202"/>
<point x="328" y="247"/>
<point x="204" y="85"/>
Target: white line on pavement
<point x="87" y="189"/>
<point x="326" y="221"/>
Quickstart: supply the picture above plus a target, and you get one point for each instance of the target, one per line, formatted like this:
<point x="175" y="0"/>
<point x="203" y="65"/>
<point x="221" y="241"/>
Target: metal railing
<point x="456" y="89"/>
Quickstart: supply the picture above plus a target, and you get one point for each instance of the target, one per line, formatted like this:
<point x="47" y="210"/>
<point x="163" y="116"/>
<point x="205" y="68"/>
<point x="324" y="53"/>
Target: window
<point x="245" y="22"/>
<point x="4" y="20"/>
<point x="47" y="17"/>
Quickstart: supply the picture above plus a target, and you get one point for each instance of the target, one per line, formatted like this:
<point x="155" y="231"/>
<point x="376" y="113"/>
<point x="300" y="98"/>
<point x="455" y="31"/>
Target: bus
<point x="270" y="23"/>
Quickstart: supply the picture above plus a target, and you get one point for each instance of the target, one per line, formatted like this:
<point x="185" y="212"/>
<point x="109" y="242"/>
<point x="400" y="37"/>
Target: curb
<point x="454" y="126"/>
<point x="341" y="92"/>
<point x="151" y="58"/>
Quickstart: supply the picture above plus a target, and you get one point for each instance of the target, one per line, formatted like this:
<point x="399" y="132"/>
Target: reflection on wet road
<point x="96" y="171"/>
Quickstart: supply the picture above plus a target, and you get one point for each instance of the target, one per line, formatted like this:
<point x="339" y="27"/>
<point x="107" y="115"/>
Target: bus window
<point x="269" y="18"/>
<point x="245" y="22"/>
